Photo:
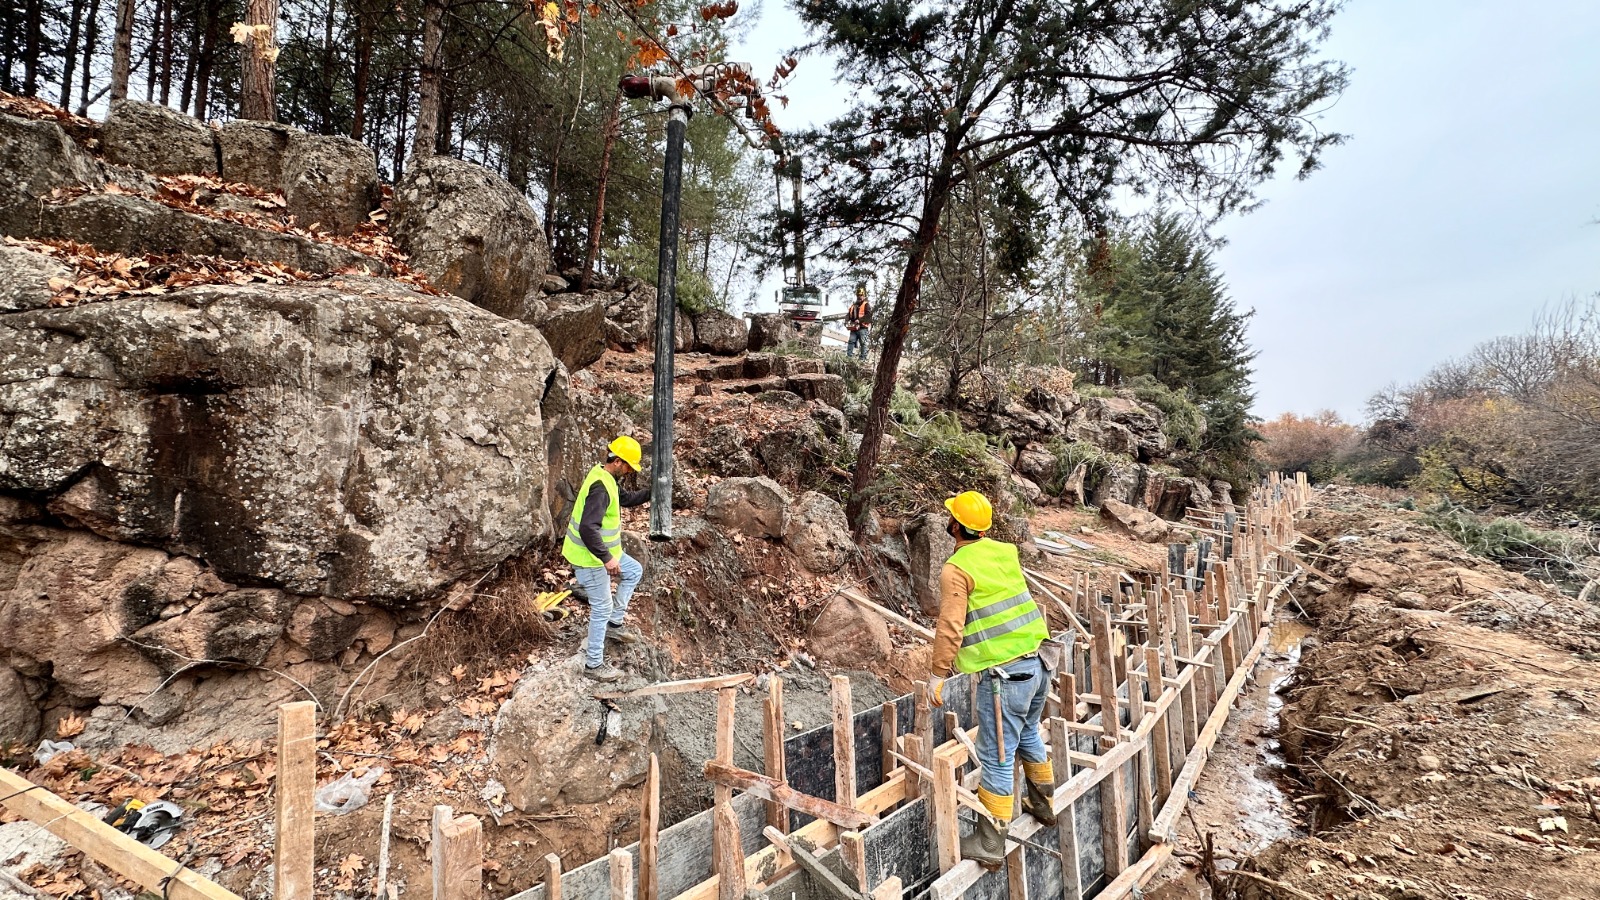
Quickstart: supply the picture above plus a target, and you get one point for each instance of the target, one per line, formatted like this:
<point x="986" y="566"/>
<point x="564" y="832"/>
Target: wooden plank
<point x="946" y="824"/>
<point x="722" y="794"/>
<point x="1105" y="680"/>
<point x="922" y="727"/>
<point x="853" y="852"/>
<point x="887" y="733"/>
<point x="105" y="845"/>
<point x="1160" y="736"/>
<point x="772" y="724"/>
<point x="844" y="743"/>
<point x="1066" y="823"/>
<point x="1016" y="875"/>
<point x="650" y="833"/>
<point x="457" y="854"/>
<point x="621" y="874"/>
<point x="711" y="683"/>
<point x="728" y="853"/>
<point x="293" y="848"/>
<point x="890" y="889"/>
<point x="771" y="789"/>
<point x="921" y="631"/>
<point x="552" y="877"/>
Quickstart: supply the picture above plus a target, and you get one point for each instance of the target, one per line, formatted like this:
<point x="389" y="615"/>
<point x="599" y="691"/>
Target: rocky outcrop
<point x="818" y="534"/>
<point x="825" y="389"/>
<point x="38" y="158"/>
<point x="25" y="279"/>
<point x="333" y="182"/>
<point x="352" y="439"/>
<point x="631" y="316"/>
<point x="471" y="232"/>
<point x="1141" y="525"/>
<point x="719" y="333"/>
<point x="758" y="507"/>
<point x="575" y="329"/>
<point x="723" y="452"/>
<point x="19" y="718"/>
<point x="787" y="453"/>
<point x="158" y="140"/>
<point x="252" y="152"/>
<point x="768" y="330"/>
<point x="845" y="635"/>
<point x="1121" y="425"/>
<point x="930" y="546"/>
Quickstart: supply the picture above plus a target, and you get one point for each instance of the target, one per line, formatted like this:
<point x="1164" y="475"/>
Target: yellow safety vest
<point x="1003" y="622"/>
<point x="573" y="548"/>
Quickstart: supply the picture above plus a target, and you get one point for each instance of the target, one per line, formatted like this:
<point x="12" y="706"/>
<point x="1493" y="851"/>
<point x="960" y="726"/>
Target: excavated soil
<point x="1440" y="737"/>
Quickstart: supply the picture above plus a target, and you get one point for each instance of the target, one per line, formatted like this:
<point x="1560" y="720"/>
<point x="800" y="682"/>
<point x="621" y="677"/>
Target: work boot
<point x="605" y="672"/>
<point x="1036" y="803"/>
<point x="623" y="634"/>
<point x="985" y="846"/>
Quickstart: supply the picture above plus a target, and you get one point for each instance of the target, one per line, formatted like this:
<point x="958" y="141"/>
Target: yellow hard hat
<point x="971" y="509"/>
<point x="626" y="449"/>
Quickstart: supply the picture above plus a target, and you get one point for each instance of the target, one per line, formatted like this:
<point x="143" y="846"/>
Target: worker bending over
<point x="594" y="547"/>
<point x="988" y="623"/>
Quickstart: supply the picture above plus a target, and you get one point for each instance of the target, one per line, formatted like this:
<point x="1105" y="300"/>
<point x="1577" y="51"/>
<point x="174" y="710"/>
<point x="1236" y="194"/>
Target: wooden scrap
<point x="776" y="791"/>
<point x="293" y="849"/>
<point x="687" y="686"/>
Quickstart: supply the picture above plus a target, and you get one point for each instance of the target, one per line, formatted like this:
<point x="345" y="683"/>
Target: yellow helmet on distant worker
<point x="626" y="449"/>
<point x="971" y="509"/>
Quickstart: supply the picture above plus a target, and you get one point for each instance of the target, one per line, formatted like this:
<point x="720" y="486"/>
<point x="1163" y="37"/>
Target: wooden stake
<point x="1105" y="679"/>
<point x="946" y="823"/>
<point x="1066" y="822"/>
<point x="722" y="794"/>
<point x="844" y="743"/>
<point x="728" y="853"/>
<point x="1160" y="735"/>
<point x="922" y="724"/>
<point x="383" y="847"/>
<point x="888" y="731"/>
<point x="650" y="833"/>
<point x="457" y="853"/>
<point x="854" y="853"/>
<point x="772" y="744"/>
<point x="776" y="791"/>
<point x="1114" y="821"/>
<point x="621" y="875"/>
<point x="293" y="850"/>
<point x="552" y="877"/>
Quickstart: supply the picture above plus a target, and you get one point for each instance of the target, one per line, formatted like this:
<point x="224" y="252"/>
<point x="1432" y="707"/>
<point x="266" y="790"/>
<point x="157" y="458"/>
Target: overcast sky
<point x="1463" y="203"/>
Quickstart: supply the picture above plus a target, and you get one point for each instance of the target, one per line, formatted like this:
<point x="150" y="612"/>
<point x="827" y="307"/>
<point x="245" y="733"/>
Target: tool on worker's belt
<point x="610" y="720"/>
<point x="151" y="824"/>
<point x="999" y="714"/>
<point x="549" y="605"/>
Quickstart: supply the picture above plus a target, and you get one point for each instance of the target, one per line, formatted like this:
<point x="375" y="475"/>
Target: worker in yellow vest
<point x="594" y="547"/>
<point x="989" y="624"/>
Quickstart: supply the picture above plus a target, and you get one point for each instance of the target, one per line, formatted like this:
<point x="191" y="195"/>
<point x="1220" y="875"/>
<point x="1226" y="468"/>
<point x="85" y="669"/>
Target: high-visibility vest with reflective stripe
<point x="610" y="526"/>
<point x="1003" y="622"/>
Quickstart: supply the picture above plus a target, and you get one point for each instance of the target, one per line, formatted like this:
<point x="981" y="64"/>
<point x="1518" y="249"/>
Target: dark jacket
<point x="594" y="511"/>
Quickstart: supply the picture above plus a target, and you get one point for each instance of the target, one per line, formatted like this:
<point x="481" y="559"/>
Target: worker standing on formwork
<point x="989" y="624"/>
<point x="594" y="547"/>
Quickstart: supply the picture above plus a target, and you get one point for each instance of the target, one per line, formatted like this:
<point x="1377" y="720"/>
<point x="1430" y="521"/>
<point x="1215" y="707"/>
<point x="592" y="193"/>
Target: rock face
<point x="1142" y="525"/>
<point x="755" y="506"/>
<point x="354" y="439"/>
<point x="631" y="317"/>
<point x="846" y="635"/>
<point x="19" y="718"/>
<point x="818" y="534"/>
<point x="768" y="330"/>
<point x="575" y="330"/>
<point x="471" y="231"/>
<point x="722" y="452"/>
<point x="334" y="181"/>
<point x="719" y="333"/>
<point x="25" y="279"/>
<point x="158" y="140"/>
<point x="825" y="389"/>
<point x="38" y="158"/>
<point x="786" y="453"/>
<point x="252" y="152"/>
<point x="931" y="545"/>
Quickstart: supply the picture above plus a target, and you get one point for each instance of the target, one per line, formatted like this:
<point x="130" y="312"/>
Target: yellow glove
<point x="936" y="690"/>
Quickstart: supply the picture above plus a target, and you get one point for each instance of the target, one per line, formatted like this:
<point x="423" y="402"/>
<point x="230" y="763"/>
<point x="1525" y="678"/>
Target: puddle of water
<point x="1287" y="635"/>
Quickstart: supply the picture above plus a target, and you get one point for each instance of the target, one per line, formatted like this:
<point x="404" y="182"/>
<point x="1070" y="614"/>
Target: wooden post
<point x="772" y="745"/>
<point x="650" y="832"/>
<point x="888" y="731"/>
<point x="1160" y="735"/>
<point x="946" y="823"/>
<point x="293" y="850"/>
<point x="922" y="724"/>
<point x="1066" y="822"/>
<point x="727" y="853"/>
<point x="552" y="877"/>
<point x="722" y="794"/>
<point x="621" y="875"/>
<point x="1114" y="821"/>
<point x="854" y="853"/>
<point x="1105" y="679"/>
<point x="844" y="743"/>
<point x="457" y="853"/>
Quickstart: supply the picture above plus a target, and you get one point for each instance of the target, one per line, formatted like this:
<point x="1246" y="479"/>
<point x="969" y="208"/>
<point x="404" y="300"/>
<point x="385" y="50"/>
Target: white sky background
<point x="1464" y="202"/>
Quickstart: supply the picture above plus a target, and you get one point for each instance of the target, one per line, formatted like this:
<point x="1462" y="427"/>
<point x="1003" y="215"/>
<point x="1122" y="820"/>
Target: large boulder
<point x="575" y="329"/>
<point x="818" y="534"/>
<point x="825" y="389"/>
<point x="768" y="330"/>
<point x="787" y="453"/>
<point x="847" y="636"/>
<point x="471" y="232"/>
<point x="758" y="507"/>
<point x="723" y="452"/>
<point x="252" y="153"/>
<point x="38" y="158"/>
<point x="1122" y="481"/>
<point x="1123" y="421"/>
<point x="158" y="140"/>
<point x="631" y="317"/>
<point x="25" y="279"/>
<point x="931" y="545"/>
<point x="719" y="333"/>
<point x="333" y="181"/>
<point x="1141" y="525"/>
<point x="352" y="438"/>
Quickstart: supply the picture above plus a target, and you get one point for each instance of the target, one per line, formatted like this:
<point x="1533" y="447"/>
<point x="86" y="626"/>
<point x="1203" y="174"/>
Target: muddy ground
<point x="1440" y="737"/>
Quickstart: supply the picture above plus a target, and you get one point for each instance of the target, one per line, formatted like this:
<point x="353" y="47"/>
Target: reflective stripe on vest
<point x="573" y="549"/>
<point x="1002" y="621"/>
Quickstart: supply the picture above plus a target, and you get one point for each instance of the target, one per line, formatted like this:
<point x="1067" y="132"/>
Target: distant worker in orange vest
<point x="989" y="624"/>
<point x="858" y="321"/>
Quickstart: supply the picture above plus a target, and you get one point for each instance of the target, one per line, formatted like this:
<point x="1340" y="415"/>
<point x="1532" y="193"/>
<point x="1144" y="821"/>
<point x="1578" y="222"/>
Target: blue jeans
<point x="1022" y="705"/>
<point x="603" y="607"/>
<point x="858" y="340"/>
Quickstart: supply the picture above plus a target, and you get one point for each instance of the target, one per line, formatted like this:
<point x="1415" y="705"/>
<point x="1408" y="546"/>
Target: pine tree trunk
<point x="208" y="56"/>
<point x="613" y="126"/>
<point x="122" y="51"/>
<point x="90" y="39"/>
<point x="894" y="342"/>
<point x="426" y="141"/>
<point x="365" y="21"/>
<point x="151" y="55"/>
<point x="166" y="52"/>
<point x="30" y="54"/>
<point x="257" y="97"/>
<point x="190" y="60"/>
<point x="327" y="69"/>
<point x="69" y="57"/>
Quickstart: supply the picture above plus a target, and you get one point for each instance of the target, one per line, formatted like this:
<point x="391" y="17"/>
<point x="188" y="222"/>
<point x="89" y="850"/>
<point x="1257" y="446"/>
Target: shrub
<point x="1069" y="454"/>
<point x="1506" y="541"/>
<point x="1185" y="423"/>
